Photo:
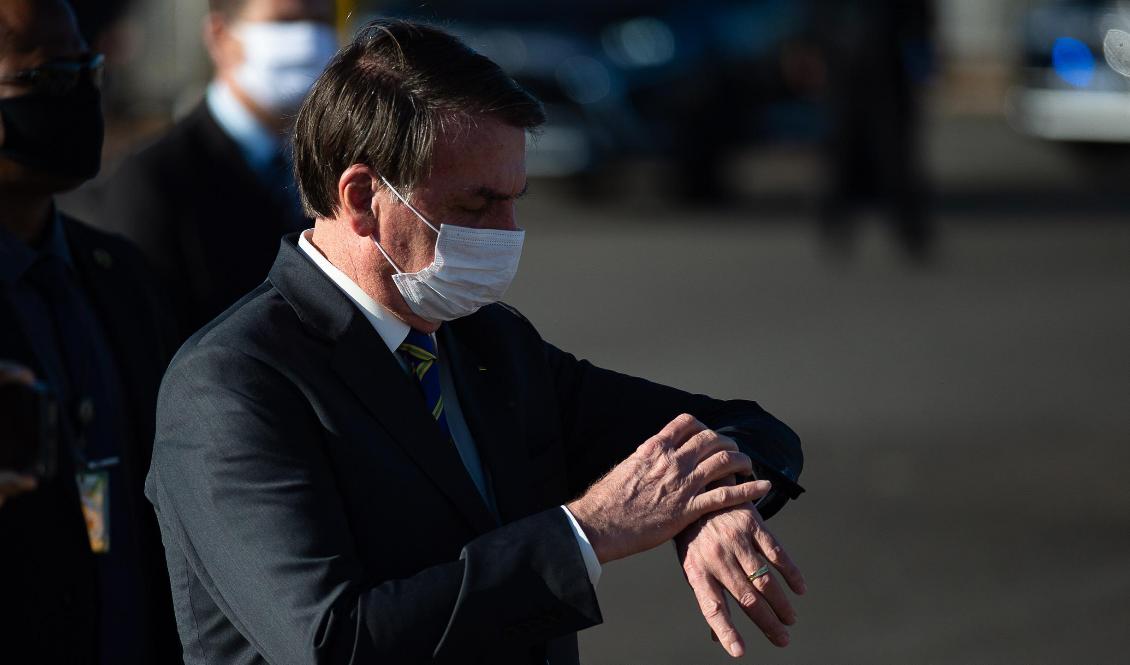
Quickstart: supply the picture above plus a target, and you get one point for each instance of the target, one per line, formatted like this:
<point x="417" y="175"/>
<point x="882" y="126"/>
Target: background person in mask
<point x="81" y="570"/>
<point x="368" y="459"/>
<point x="208" y="202"/>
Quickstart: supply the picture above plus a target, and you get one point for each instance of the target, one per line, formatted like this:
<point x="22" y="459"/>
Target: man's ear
<point x="224" y="50"/>
<point x="360" y="206"/>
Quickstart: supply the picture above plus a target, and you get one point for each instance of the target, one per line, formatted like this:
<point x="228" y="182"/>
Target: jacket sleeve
<point x="245" y="492"/>
<point x="606" y="415"/>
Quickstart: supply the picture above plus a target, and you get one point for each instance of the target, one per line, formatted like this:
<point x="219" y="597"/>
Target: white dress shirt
<point x="393" y="331"/>
<point x="256" y="143"/>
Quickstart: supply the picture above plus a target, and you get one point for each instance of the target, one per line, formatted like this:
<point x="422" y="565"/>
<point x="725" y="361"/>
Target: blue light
<point x="1073" y="62"/>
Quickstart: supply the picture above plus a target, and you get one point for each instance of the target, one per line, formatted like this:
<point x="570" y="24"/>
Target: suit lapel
<point x="490" y="412"/>
<point x="372" y="373"/>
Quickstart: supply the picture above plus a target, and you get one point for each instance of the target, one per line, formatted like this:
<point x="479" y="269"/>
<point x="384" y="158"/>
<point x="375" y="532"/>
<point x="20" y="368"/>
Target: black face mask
<point x="59" y="134"/>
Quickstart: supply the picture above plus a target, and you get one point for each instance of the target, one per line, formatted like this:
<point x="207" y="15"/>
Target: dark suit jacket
<point x="201" y="216"/>
<point x="49" y="610"/>
<point x="313" y="513"/>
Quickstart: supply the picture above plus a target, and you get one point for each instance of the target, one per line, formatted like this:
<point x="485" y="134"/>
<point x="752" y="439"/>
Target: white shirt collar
<point x="392" y="330"/>
<point x="255" y="141"/>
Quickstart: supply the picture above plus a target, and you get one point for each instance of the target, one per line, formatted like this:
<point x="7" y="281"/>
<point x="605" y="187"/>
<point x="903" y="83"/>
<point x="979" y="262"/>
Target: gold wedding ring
<point x="761" y="572"/>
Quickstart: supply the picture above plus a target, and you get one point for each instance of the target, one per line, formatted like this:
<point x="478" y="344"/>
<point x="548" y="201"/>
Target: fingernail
<point x="782" y="639"/>
<point x="735" y="649"/>
<point x="803" y="587"/>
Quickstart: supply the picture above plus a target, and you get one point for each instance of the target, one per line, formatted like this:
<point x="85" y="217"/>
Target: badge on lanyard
<point x="94" y="491"/>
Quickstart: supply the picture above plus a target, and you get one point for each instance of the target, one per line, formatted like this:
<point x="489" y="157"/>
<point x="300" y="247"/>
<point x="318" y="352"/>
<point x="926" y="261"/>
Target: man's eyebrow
<point x="495" y="195"/>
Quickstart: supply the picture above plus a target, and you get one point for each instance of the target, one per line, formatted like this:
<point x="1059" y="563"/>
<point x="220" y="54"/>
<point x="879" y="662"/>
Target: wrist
<point x="588" y="521"/>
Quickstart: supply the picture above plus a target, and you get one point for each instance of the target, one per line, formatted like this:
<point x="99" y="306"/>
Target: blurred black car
<point x="626" y="78"/>
<point x="558" y="58"/>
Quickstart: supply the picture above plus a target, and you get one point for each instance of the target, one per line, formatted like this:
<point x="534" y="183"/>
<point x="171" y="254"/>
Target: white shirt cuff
<point x="587" y="552"/>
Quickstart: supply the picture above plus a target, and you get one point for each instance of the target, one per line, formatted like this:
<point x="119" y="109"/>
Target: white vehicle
<point x="1068" y="89"/>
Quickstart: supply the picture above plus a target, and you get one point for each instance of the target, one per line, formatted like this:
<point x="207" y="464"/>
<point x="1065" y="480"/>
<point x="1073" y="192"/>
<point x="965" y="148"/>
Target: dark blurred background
<point x="899" y="225"/>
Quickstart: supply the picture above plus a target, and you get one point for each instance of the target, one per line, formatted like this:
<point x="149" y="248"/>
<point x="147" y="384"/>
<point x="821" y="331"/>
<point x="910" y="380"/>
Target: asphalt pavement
<point x="966" y="425"/>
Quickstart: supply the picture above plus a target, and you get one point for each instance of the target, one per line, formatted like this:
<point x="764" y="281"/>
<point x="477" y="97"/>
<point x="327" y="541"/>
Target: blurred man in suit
<point x="370" y="459"/>
<point x="879" y="54"/>
<point x="228" y="154"/>
<point x="80" y="564"/>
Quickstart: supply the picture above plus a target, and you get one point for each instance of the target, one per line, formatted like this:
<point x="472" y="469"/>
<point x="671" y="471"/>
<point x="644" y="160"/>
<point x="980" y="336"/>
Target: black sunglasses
<point x="59" y="78"/>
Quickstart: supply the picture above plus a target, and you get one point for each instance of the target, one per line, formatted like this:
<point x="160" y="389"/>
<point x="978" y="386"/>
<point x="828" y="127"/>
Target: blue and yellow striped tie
<point x="419" y="351"/>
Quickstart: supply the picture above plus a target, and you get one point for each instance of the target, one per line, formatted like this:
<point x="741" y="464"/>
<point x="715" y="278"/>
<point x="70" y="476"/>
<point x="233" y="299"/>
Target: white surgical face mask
<point x="281" y="60"/>
<point x="471" y="268"/>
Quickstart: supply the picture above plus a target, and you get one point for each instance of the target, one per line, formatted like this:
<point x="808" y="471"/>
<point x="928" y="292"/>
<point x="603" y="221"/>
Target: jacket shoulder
<point x="167" y="151"/>
<point x="505" y="315"/>
<point x="260" y="324"/>
<point x="182" y="135"/>
<point x="107" y="248"/>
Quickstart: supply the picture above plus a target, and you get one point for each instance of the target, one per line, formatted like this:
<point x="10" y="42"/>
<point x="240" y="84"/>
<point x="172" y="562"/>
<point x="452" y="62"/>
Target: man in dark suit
<point x="368" y="459"/>
<point x="79" y="313"/>
<point x="229" y="150"/>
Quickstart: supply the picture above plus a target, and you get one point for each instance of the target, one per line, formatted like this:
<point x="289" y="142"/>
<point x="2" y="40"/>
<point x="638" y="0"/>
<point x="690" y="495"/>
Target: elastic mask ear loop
<point x="388" y="258"/>
<point x="410" y="206"/>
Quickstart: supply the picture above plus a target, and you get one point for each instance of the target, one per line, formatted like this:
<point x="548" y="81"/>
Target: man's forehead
<point x="35" y="31"/>
<point x="492" y="193"/>
<point x="495" y="181"/>
<point x="481" y="156"/>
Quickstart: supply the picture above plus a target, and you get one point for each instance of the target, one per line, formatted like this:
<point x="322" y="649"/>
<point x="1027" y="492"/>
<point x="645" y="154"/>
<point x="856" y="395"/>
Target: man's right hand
<point x="661" y="489"/>
<point x="12" y="483"/>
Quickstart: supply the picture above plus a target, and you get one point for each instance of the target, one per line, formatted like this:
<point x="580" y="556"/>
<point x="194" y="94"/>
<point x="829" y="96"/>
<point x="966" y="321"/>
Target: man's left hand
<point x="719" y="553"/>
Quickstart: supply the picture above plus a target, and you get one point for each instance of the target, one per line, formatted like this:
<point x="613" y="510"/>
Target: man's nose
<point x="505" y="219"/>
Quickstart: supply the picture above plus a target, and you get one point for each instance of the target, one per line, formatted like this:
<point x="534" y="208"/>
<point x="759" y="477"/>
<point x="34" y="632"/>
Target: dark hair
<point x="383" y="100"/>
<point x="12" y="40"/>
